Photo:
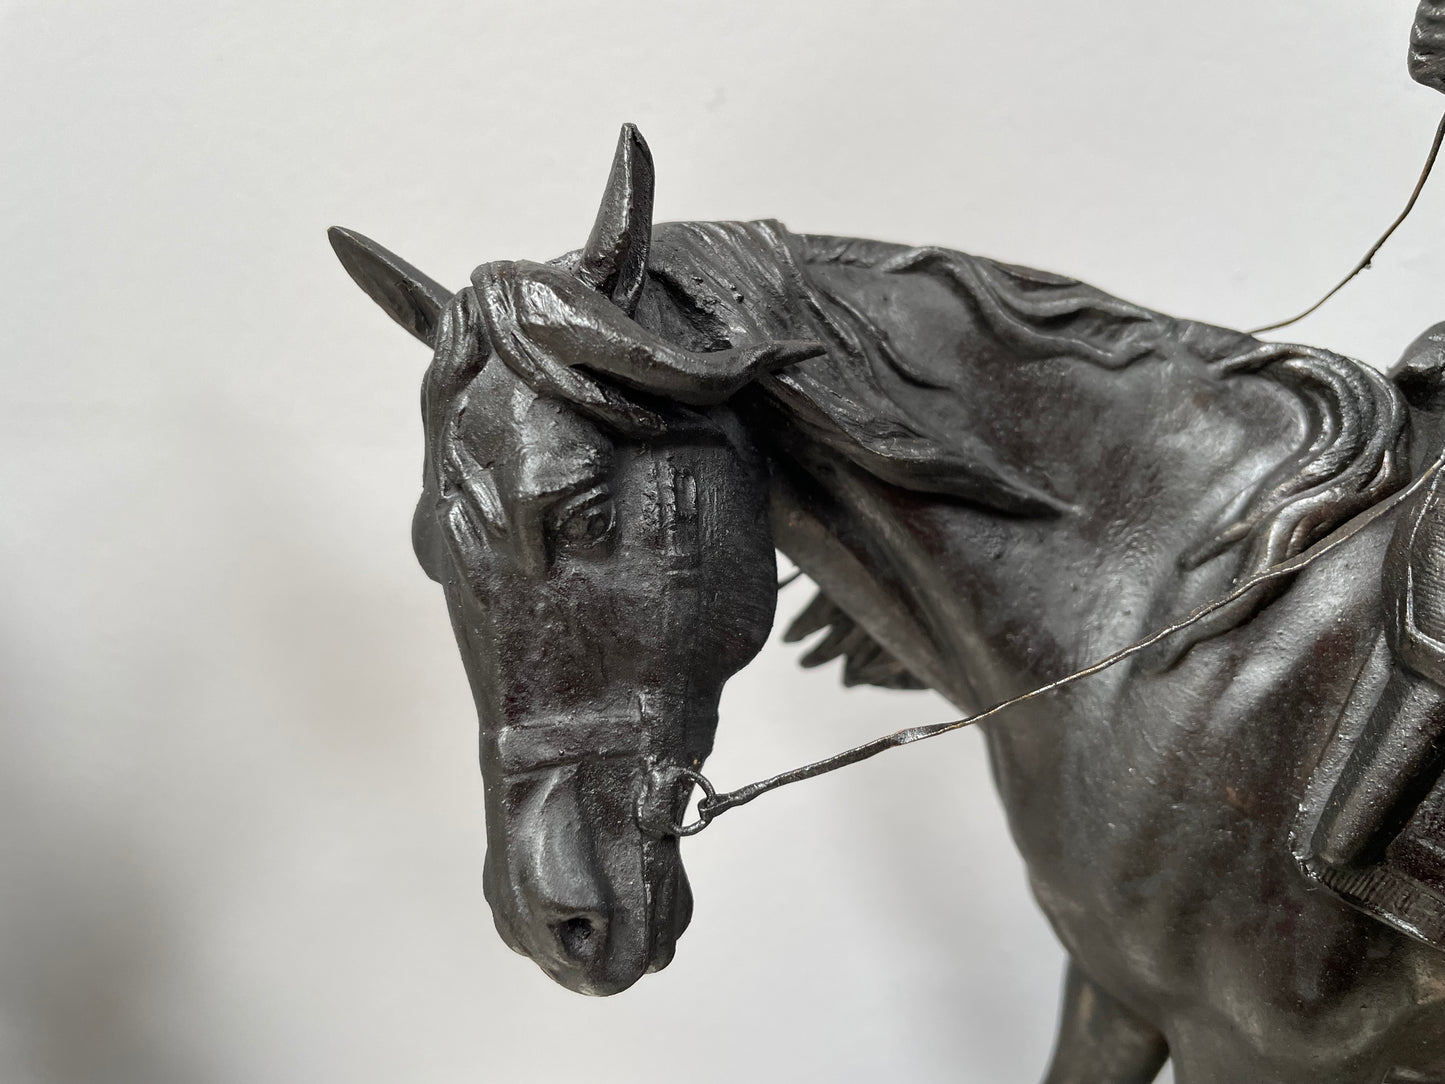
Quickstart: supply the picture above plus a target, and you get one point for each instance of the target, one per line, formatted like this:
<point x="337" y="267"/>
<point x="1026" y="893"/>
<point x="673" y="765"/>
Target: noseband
<point x="562" y="742"/>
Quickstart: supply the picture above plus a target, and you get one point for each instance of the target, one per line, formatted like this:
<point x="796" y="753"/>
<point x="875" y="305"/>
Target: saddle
<point x="1372" y="826"/>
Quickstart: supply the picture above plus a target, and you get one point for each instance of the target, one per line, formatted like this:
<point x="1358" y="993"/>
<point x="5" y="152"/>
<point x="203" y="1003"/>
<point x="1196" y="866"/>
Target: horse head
<point x="598" y="519"/>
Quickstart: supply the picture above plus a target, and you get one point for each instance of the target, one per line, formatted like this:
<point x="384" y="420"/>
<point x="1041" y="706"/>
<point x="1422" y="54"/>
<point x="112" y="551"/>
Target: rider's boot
<point x="1400" y="752"/>
<point x="1392" y="768"/>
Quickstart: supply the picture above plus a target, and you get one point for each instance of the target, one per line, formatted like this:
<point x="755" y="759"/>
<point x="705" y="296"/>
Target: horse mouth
<point x="612" y="973"/>
<point x="676" y="916"/>
<point x="599" y="953"/>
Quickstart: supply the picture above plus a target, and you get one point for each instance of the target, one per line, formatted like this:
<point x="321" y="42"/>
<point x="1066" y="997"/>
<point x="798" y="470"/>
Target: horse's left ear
<point x="614" y="261"/>
<point x="405" y="294"/>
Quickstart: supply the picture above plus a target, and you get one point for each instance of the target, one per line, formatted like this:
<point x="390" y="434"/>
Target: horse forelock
<point x="464" y="351"/>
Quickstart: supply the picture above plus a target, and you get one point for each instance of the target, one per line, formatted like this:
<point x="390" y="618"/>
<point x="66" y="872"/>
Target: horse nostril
<point x="575" y="930"/>
<point x="580" y="936"/>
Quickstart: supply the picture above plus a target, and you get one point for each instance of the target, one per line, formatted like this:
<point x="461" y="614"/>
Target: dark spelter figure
<point x="1206" y="572"/>
<point x="1427" y="45"/>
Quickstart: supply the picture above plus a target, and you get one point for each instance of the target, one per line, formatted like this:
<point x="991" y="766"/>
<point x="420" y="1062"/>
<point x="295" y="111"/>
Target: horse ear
<point x="614" y="261"/>
<point x="406" y="295"/>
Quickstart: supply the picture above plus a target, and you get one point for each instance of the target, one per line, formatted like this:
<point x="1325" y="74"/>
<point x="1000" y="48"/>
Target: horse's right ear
<point x="614" y="260"/>
<point x="405" y="294"/>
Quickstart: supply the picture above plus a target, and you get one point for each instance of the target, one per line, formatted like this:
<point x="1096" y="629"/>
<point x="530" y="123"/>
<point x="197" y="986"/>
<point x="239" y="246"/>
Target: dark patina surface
<point x="995" y="476"/>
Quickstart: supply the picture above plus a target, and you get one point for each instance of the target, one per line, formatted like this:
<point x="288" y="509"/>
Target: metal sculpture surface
<point x="995" y="476"/>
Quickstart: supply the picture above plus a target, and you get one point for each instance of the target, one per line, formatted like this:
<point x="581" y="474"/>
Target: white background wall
<point x="240" y="818"/>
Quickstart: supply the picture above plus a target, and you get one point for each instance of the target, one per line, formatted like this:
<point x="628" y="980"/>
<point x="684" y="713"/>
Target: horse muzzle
<point x="577" y="884"/>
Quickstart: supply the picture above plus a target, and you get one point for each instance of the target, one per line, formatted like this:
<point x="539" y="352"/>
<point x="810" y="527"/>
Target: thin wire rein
<point x="1374" y="251"/>
<point x="714" y="803"/>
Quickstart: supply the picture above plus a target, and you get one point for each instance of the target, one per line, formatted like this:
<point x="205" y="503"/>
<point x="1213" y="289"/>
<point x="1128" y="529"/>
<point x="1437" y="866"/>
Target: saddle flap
<point x="1406" y="889"/>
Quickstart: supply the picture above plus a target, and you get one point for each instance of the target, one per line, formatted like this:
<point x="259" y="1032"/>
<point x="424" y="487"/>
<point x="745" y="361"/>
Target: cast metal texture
<point x="995" y="476"/>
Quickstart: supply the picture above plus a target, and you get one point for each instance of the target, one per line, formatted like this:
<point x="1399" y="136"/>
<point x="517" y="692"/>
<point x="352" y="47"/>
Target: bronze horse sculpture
<point x="995" y="476"/>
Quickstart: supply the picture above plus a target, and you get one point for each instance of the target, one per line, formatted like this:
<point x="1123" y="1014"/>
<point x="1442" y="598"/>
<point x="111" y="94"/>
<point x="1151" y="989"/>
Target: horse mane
<point x="714" y="285"/>
<point x="868" y="399"/>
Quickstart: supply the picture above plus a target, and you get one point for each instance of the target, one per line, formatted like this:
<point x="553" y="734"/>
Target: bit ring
<point x="704" y="818"/>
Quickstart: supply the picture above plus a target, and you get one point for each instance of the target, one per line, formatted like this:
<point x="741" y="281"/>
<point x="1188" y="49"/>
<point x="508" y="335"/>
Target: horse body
<point x="1153" y="812"/>
<point x="995" y="476"/>
<point x="1153" y="808"/>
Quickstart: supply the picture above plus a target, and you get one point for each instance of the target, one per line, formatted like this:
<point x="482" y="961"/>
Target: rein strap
<point x="714" y="803"/>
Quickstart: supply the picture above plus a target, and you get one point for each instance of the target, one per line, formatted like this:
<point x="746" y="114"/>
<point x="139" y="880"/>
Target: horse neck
<point x="1001" y="474"/>
<point x="982" y="606"/>
<point x="1145" y="458"/>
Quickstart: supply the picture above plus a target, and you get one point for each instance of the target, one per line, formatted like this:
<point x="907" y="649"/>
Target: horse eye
<point x="583" y="521"/>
